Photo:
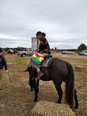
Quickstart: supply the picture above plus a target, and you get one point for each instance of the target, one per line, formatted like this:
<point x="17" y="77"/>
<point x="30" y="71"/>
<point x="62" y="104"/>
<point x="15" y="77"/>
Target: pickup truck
<point x="84" y="53"/>
<point x="25" y="53"/>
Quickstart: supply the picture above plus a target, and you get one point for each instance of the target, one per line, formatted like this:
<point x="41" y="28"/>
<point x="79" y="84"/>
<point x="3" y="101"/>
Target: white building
<point x="34" y="43"/>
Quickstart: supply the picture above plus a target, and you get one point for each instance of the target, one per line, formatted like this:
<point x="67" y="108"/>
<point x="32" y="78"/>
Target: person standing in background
<point x="3" y="64"/>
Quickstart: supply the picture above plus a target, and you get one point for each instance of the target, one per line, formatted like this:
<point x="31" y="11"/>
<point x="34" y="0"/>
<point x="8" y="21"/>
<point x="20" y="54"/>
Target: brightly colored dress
<point x="37" y="59"/>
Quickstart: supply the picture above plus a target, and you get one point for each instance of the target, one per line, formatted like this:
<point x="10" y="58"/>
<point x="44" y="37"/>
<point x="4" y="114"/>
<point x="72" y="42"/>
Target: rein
<point x="11" y="78"/>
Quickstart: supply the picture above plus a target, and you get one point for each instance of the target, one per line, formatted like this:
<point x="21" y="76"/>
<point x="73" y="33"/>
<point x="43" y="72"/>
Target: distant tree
<point x="18" y="48"/>
<point x="6" y="49"/>
<point x="82" y="47"/>
<point x="0" y="49"/>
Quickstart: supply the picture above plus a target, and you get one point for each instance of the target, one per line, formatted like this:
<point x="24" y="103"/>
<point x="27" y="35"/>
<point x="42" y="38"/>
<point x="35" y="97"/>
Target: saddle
<point x="47" y="57"/>
<point x="47" y="61"/>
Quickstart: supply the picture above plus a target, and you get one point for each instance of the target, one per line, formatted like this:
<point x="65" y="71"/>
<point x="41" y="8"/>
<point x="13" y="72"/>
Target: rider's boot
<point x="39" y="75"/>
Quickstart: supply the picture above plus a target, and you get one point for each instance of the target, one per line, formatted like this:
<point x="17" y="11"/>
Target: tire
<point x="23" y="55"/>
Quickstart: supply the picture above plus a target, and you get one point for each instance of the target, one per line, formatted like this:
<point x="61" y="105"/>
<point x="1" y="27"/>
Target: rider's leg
<point x="39" y="73"/>
<point x="44" y="64"/>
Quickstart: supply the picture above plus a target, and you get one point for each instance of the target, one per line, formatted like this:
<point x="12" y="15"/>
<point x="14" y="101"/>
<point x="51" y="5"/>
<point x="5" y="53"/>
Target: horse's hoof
<point x="59" y="102"/>
<point x="35" y="100"/>
<point x="32" y="89"/>
<point x="76" y="107"/>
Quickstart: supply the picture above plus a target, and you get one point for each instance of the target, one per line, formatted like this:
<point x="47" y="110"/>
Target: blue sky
<point x="63" y="21"/>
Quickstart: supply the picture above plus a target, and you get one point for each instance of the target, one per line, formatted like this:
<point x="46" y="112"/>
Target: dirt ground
<point x="16" y="99"/>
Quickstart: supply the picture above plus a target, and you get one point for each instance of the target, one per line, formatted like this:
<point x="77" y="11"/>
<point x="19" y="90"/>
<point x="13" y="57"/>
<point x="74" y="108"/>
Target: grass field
<point x="16" y="99"/>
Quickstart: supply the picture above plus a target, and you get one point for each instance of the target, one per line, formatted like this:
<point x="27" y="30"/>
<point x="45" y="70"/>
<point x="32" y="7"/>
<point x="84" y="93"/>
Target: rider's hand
<point x="36" y="79"/>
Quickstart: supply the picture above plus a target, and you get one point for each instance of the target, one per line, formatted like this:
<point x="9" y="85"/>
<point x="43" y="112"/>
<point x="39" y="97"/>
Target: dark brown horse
<point x="58" y="71"/>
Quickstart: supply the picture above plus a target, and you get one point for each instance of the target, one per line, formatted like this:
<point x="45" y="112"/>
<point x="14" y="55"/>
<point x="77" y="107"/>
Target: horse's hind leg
<point x="60" y="92"/>
<point x="76" y="99"/>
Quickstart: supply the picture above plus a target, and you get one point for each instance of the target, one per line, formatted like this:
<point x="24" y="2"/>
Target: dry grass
<point x="16" y="99"/>
<point x="44" y="108"/>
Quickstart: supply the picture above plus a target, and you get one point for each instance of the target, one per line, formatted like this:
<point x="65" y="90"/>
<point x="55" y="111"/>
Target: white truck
<point x="25" y="53"/>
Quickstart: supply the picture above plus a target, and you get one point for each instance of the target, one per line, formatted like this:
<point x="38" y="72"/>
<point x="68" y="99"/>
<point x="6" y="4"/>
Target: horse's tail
<point x="69" y="90"/>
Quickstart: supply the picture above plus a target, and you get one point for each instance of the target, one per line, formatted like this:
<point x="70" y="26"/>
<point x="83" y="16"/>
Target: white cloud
<point x="63" y="21"/>
<point x="6" y="36"/>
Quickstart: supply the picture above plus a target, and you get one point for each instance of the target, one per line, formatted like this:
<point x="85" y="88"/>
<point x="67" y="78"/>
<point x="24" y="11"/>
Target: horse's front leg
<point x="31" y="82"/>
<point x="36" y="83"/>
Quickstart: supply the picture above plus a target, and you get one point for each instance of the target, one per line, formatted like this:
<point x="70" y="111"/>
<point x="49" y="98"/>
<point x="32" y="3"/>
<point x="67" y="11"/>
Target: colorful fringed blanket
<point x="37" y="59"/>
